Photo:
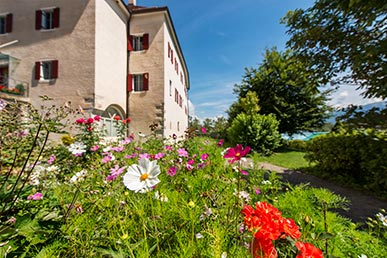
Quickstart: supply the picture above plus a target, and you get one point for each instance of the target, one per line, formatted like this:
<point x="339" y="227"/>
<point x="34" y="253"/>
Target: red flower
<point x="89" y="120"/>
<point x="117" y="118"/>
<point x="263" y="249"/>
<point x="236" y="153"/>
<point x="307" y="250"/>
<point x="97" y="118"/>
<point x="290" y="228"/>
<point x="126" y="121"/>
<point x="80" y="121"/>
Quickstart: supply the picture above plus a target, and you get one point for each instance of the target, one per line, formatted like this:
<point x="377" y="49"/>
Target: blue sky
<point x="220" y="38"/>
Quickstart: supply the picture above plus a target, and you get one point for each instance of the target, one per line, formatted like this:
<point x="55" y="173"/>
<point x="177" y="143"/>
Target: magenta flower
<point x="257" y="191"/>
<point x="204" y="130"/>
<point x="189" y="167"/>
<point x="182" y="152"/>
<point x="107" y="158"/>
<point x="244" y="172"/>
<point x="204" y="156"/>
<point x="191" y="162"/>
<point x="114" y="173"/>
<point x="144" y="156"/>
<point x="94" y="148"/>
<point x="97" y="118"/>
<point x="168" y="147"/>
<point x="80" y="121"/>
<point x="220" y="142"/>
<point x="235" y="154"/>
<point x="159" y="155"/>
<point x="201" y="165"/>
<point x="36" y="197"/>
<point x="51" y="159"/>
<point x="172" y="171"/>
<point x="117" y="149"/>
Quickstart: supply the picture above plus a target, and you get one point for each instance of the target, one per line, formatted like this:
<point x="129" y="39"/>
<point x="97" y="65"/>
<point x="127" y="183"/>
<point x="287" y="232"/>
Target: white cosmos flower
<point x="77" y="148"/>
<point x="142" y="177"/>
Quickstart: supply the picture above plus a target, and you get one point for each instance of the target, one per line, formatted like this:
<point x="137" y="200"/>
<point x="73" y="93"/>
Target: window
<point x="138" y="82"/>
<point x="6" y="23"/>
<point x="47" y="19"/>
<point x="138" y="43"/>
<point x="170" y="88"/>
<point x="46" y="70"/>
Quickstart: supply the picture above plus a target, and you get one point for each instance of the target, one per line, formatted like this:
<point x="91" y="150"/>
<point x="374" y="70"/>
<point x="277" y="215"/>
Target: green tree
<point x="287" y="88"/>
<point x="258" y="131"/>
<point x="344" y="40"/>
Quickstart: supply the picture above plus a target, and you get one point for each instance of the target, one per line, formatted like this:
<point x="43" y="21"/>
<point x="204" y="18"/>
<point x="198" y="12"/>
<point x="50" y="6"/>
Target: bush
<point x="357" y="157"/>
<point x="260" y="132"/>
<point x="299" y="145"/>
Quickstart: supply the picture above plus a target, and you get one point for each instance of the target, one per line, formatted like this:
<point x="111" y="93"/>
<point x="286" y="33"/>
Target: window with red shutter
<point x="171" y="56"/>
<point x="130" y="82"/>
<point x="37" y="70"/>
<point x="56" y="18"/>
<point x="146" y="81"/>
<point x="54" y="69"/>
<point x="38" y="20"/>
<point x="8" y="23"/>
<point x="130" y="43"/>
<point x="169" y="50"/>
<point x="145" y="41"/>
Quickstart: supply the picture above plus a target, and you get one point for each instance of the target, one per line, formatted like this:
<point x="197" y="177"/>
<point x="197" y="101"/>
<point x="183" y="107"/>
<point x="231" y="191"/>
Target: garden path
<point x="362" y="205"/>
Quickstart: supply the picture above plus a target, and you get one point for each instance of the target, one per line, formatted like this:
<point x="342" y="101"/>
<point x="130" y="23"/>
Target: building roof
<point x="135" y="9"/>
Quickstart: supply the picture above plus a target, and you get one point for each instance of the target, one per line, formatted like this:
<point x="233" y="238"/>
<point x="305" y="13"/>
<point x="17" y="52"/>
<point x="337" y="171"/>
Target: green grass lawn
<point x="288" y="159"/>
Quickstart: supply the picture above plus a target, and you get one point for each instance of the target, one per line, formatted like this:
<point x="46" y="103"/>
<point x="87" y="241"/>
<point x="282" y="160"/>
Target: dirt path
<point x="361" y="206"/>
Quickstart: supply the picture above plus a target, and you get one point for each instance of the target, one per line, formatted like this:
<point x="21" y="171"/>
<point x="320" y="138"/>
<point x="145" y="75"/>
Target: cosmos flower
<point x="143" y="176"/>
<point x="77" y="148"/>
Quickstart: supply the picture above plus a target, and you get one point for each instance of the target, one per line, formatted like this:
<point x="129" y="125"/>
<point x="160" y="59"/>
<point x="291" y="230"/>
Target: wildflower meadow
<point x="143" y="196"/>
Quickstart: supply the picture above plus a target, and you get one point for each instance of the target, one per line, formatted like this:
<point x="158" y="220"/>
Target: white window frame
<point x="47" y="19"/>
<point x="137" y="42"/>
<point x="46" y="70"/>
<point x="138" y="82"/>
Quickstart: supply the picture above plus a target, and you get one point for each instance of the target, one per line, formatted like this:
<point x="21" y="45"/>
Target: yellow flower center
<point x="237" y="154"/>
<point x="144" y="177"/>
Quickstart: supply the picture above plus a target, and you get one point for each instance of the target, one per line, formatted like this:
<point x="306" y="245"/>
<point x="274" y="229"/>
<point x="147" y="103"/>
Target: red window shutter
<point x="37" y="70"/>
<point x="56" y="18"/>
<point x="130" y="43"/>
<point x="171" y="56"/>
<point x="146" y="81"/>
<point x="169" y="50"/>
<point x="54" y="71"/>
<point x="130" y="82"/>
<point x="145" y="41"/>
<point x="38" y="20"/>
<point x="8" y="29"/>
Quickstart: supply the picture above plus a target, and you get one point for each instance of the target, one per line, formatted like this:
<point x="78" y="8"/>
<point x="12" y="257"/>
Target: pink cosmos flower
<point x="235" y="154"/>
<point x="168" y="147"/>
<point x="117" y="149"/>
<point x="36" y="197"/>
<point x="257" y="191"/>
<point x="201" y="165"/>
<point x="144" y="156"/>
<point x="204" y="156"/>
<point x="189" y="167"/>
<point x="94" y="148"/>
<point x="220" y="143"/>
<point x="182" y="152"/>
<point x="244" y="172"/>
<point x="107" y="158"/>
<point x="159" y="155"/>
<point x="191" y="162"/>
<point x="172" y="171"/>
<point x="204" y="130"/>
<point x="114" y="173"/>
<point x="51" y="159"/>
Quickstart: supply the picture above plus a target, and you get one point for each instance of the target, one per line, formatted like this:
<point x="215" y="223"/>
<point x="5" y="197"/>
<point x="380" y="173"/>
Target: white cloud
<point x="347" y="95"/>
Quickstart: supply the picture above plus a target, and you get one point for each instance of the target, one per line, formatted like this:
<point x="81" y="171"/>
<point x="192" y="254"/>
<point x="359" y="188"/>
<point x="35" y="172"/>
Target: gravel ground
<point x="361" y="206"/>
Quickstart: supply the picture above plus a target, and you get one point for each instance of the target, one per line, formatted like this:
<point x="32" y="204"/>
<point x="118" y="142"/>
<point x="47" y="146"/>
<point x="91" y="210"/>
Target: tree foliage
<point x="344" y="40"/>
<point x="250" y="128"/>
<point x="286" y="88"/>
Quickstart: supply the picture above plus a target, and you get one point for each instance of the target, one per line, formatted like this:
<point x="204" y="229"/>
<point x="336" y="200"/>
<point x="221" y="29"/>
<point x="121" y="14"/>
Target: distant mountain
<point x="381" y="105"/>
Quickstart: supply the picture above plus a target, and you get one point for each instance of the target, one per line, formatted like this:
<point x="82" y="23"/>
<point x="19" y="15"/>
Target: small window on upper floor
<point x="6" y="23"/>
<point x="138" y="43"/>
<point x="47" y="19"/>
<point x="46" y="70"/>
<point x="138" y="82"/>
